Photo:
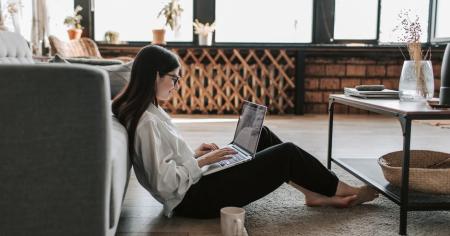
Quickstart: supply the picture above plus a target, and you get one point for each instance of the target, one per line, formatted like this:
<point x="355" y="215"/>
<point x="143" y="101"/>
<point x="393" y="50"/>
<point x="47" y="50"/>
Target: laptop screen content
<point x="249" y="127"/>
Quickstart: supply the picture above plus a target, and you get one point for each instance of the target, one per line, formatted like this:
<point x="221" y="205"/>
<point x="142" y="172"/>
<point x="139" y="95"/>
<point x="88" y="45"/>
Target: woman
<point x="166" y="166"/>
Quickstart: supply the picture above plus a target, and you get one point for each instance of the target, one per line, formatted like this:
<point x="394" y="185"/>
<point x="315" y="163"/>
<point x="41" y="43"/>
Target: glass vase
<point x="416" y="81"/>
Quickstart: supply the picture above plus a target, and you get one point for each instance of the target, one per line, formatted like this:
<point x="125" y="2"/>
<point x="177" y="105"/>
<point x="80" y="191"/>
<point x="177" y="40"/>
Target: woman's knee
<point x="283" y="150"/>
<point x="291" y="147"/>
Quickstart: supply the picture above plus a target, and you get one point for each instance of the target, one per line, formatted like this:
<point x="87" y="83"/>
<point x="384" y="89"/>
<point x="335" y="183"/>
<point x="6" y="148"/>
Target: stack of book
<point x="385" y="93"/>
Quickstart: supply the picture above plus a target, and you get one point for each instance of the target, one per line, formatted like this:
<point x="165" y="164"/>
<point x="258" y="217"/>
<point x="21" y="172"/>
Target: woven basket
<point x="429" y="171"/>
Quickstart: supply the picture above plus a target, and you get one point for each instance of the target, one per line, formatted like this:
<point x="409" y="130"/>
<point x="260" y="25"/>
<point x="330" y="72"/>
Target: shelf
<point x="368" y="171"/>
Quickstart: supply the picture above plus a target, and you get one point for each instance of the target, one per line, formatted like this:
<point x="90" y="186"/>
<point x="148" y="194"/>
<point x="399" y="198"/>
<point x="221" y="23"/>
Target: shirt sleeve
<point x="160" y="155"/>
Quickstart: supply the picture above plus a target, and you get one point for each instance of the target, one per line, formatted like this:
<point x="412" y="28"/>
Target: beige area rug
<point x="283" y="213"/>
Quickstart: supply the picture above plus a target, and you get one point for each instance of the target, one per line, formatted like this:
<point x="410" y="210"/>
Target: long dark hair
<point x="135" y="98"/>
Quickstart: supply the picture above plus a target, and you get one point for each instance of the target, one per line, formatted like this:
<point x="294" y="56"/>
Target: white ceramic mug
<point x="232" y="221"/>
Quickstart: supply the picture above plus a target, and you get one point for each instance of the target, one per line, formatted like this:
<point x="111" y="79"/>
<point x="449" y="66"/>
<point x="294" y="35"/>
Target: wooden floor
<point x="355" y="136"/>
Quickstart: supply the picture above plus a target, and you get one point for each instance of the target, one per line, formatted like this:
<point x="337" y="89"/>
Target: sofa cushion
<point x="14" y="49"/>
<point x="86" y="60"/>
<point x="94" y="61"/>
<point x="119" y="75"/>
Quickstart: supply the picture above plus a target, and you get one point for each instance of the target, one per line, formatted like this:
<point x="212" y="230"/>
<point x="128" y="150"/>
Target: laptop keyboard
<point x="236" y="158"/>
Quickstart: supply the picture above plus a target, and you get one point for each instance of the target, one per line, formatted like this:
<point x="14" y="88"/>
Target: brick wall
<point x="329" y="75"/>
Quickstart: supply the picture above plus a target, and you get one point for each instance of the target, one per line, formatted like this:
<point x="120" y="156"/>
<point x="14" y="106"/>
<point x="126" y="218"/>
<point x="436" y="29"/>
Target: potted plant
<point x="74" y="23"/>
<point x="416" y="80"/>
<point x="204" y="32"/>
<point x="112" y="37"/>
<point x="172" y="13"/>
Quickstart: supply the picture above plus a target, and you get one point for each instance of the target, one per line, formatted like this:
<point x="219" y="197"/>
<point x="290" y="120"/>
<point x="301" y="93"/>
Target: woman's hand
<point x="205" y="148"/>
<point x="215" y="156"/>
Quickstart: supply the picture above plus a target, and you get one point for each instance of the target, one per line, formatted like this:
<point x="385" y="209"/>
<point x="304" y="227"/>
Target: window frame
<point x="364" y="41"/>
<point x="322" y="27"/>
<point x="432" y="22"/>
<point x="88" y="5"/>
<point x="267" y="43"/>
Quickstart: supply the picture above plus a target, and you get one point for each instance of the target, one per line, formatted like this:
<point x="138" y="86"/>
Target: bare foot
<point x="335" y="201"/>
<point x="353" y="196"/>
<point x="344" y="189"/>
<point x="365" y="194"/>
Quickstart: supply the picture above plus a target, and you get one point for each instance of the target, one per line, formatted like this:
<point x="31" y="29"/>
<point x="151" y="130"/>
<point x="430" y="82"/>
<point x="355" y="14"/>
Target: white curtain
<point x="40" y="29"/>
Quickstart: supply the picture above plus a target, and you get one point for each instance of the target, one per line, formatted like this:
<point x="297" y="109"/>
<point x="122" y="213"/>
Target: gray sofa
<point x="64" y="163"/>
<point x="14" y="49"/>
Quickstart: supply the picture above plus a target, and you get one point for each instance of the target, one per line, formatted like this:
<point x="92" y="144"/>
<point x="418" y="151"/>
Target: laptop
<point x="246" y="137"/>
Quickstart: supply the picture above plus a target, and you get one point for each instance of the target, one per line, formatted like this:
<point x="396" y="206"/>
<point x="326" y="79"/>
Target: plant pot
<point x="74" y="33"/>
<point x="205" y="40"/>
<point x="159" y="36"/>
<point x="414" y="88"/>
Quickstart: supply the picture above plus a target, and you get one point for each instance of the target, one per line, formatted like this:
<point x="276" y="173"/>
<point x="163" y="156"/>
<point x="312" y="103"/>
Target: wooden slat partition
<point x="217" y="80"/>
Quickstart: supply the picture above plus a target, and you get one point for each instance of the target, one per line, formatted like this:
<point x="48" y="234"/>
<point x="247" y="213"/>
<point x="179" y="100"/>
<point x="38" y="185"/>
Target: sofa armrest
<point x="55" y="164"/>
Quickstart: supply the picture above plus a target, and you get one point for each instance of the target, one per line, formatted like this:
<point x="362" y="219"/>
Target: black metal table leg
<point x="406" y="127"/>
<point x="330" y="131"/>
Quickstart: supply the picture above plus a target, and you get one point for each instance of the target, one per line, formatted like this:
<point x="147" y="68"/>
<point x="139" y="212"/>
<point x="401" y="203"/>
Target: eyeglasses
<point x="175" y="78"/>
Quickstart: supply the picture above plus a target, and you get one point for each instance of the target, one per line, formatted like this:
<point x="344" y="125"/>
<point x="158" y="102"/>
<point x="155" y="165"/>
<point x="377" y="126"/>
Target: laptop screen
<point x="249" y="127"/>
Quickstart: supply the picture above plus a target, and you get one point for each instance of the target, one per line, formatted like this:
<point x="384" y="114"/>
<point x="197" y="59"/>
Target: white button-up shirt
<point x="163" y="162"/>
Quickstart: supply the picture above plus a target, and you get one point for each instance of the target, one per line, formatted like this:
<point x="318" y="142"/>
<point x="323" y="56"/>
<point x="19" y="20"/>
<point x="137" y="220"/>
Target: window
<point x="135" y="19"/>
<point x="27" y="20"/>
<point x="57" y="10"/>
<point x="356" y="19"/>
<point x="442" y="19"/>
<point x="389" y="17"/>
<point x="256" y="21"/>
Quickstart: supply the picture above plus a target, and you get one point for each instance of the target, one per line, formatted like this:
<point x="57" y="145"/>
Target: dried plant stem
<point x="401" y="51"/>
<point x="415" y="53"/>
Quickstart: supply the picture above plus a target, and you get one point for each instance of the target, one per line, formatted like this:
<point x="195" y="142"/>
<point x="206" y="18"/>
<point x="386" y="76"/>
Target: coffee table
<point x="368" y="170"/>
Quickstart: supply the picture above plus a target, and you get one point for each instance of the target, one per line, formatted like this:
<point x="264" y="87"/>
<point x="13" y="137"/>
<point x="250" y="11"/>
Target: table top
<point x="414" y="110"/>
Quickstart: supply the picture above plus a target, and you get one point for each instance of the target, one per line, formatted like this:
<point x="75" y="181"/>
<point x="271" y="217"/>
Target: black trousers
<point x="275" y="163"/>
